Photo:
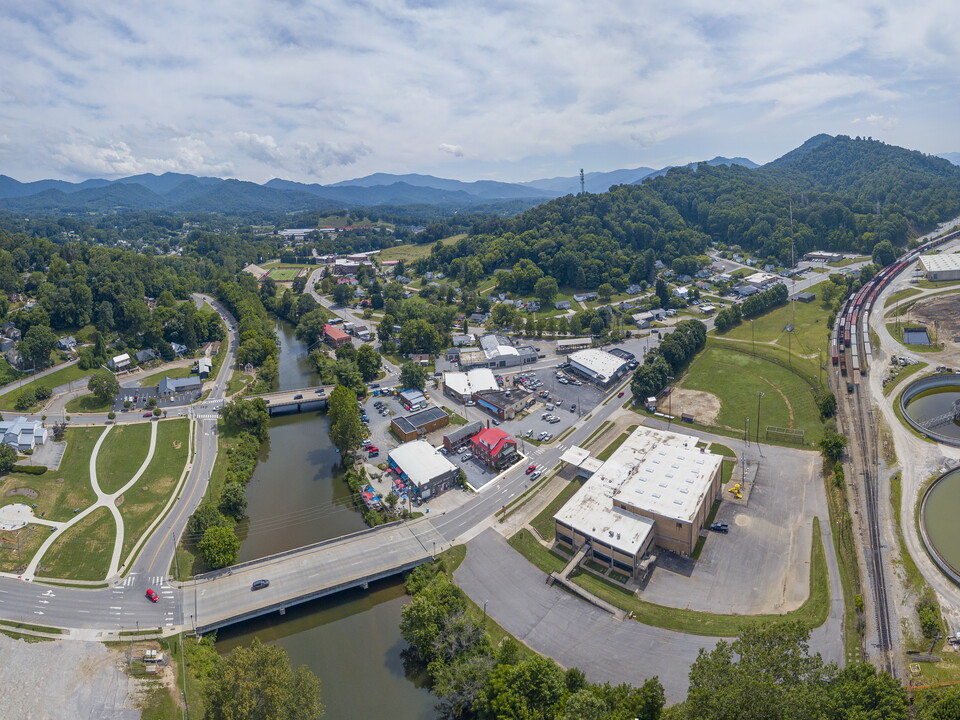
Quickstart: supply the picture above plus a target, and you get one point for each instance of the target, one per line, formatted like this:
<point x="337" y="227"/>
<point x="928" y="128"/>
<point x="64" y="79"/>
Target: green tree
<point x="413" y="375"/>
<point x="25" y="400"/>
<point x="605" y="292"/>
<point x="207" y="515"/>
<point x="219" y="547"/>
<point x="233" y="500"/>
<point x="249" y="415"/>
<point x="860" y="691"/>
<point x="343" y="294"/>
<point x="346" y="429"/>
<point x="369" y="362"/>
<point x="832" y="444"/>
<point x="546" y="289"/>
<point x="826" y="403"/>
<point x="532" y="689"/>
<point x="419" y="336"/>
<point x="884" y="253"/>
<point x="8" y="458"/>
<point x="662" y="292"/>
<point x="104" y="385"/>
<point x="257" y="682"/>
<point x="37" y="345"/>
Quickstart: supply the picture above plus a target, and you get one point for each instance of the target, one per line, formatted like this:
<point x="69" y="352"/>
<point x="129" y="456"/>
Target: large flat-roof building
<point x="462" y="385"/>
<point x="569" y="345"/>
<point x="657" y="488"/>
<point x="598" y="365"/>
<point x="419" y="424"/>
<point x="501" y="353"/>
<point x="459" y="436"/>
<point x="941" y="267"/>
<point x="422" y="465"/>
<point x="505" y="404"/>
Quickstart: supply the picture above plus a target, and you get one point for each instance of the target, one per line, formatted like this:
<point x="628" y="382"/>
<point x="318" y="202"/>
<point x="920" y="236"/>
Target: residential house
<point x="562" y="305"/>
<point x="120" y="362"/>
<point x="204" y="368"/>
<point x="178" y="348"/>
<point x="533" y="306"/>
<point x="170" y="387"/>
<point x="11" y="331"/>
<point x="145" y="356"/>
<point x="634" y="289"/>
<point x="67" y="343"/>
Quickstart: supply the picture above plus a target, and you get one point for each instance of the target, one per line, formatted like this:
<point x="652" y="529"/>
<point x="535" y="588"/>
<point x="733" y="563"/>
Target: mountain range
<point x="179" y="192"/>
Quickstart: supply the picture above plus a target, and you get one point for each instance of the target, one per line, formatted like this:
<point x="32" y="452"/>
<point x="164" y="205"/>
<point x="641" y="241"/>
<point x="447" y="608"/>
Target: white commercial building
<point x="462" y="385"/>
<point x="421" y="465"/>
<point x="657" y="488"/>
<point x="761" y="280"/>
<point x="941" y="267"/>
<point x="598" y="365"/>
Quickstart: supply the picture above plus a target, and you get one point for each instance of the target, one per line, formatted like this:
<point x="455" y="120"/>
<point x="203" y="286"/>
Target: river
<point x="351" y="640"/>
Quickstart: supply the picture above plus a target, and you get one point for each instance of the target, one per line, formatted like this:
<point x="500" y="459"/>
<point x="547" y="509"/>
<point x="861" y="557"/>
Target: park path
<point x="107" y="500"/>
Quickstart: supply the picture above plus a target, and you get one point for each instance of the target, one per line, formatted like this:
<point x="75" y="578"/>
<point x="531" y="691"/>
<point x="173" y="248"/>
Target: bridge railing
<point x="214" y="574"/>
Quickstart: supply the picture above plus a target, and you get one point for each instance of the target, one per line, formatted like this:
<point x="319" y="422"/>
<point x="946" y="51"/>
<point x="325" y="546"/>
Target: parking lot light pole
<point x="669" y="403"/>
<point x="759" y="396"/>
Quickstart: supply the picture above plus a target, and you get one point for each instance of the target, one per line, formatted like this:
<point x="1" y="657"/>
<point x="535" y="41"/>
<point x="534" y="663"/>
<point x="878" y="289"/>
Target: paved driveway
<point x="571" y="631"/>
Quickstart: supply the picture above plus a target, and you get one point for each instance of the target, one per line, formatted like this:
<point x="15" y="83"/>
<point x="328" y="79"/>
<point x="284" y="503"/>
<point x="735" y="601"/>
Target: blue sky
<point x="492" y="89"/>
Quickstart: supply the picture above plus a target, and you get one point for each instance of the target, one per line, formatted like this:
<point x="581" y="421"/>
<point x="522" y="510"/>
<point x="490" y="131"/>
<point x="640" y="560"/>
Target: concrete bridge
<point x="309" y="398"/>
<point x="224" y="597"/>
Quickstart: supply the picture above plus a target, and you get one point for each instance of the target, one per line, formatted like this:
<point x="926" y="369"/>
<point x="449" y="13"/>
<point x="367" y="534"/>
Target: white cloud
<point x="329" y="90"/>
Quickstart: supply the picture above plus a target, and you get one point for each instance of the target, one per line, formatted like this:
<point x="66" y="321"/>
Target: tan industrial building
<point x="656" y="489"/>
<point x="939" y="268"/>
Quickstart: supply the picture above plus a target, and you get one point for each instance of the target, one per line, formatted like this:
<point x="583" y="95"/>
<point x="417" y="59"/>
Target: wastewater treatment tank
<point x="939" y="528"/>
<point x="931" y="405"/>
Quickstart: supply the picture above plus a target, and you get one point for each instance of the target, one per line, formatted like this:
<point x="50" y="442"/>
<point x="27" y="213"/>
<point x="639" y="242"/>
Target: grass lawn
<point x="810" y="333"/>
<point x="237" y="382"/>
<point x="59" y="491"/>
<point x="89" y="404"/>
<point x="896" y="332"/>
<point x="154" y="379"/>
<point x="812" y="613"/>
<point x="848" y="261"/>
<point x="718" y="449"/>
<point x="903" y="375"/>
<point x="736" y="378"/>
<point x="7" y="373"/>
<point x="83" y="551"/>
<point x="30" y="539"/>
<point x="612" y="447"/>
<point x="146" y="499"/>
<point x="121" y="455"/>
<point x="54" y="379"/>
<point x="900" y="295"/>
<point x="543" y="523"/>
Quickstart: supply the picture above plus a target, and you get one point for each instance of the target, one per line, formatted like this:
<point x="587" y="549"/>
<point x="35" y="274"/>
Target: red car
<point x="530" y="469"/>
<point x="149" y="414"/>
<point x="152" y="596"/>
<point x="620" y="394"/>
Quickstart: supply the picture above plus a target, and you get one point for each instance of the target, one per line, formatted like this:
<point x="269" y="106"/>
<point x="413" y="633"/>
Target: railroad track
<point x="860" y="421"/>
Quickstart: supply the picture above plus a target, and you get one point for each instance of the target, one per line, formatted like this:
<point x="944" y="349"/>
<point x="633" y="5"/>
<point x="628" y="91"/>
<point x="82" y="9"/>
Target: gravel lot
<point x="55" y="680"/>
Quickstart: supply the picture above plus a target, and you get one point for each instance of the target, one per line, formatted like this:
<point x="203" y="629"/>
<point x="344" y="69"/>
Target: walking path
<point x="107" y="500"/>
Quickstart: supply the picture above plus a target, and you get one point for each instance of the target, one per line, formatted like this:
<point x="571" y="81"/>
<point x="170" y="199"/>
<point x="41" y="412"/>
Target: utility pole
<point x="669" y="403"/>
<point x="582" y="184"/>
<point x="759" y="396"/>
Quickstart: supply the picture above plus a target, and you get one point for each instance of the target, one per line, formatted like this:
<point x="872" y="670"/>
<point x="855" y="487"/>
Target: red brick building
<point x="494" y="447"/>
<point x="334" y="336"/>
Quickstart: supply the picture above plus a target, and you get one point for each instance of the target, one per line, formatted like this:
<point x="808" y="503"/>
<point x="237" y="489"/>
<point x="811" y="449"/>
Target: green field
<point x="848" y="261"/>
<point x="54" y="379"/>
<point x="284" y="273"/>
<point x="810" y="334"/>
<point x="121" y="455"/>
<point x="147" y="498"/>
<point x="29" y="538"/>
<point x="88" y="404"/>
<point x="543" y="523"/>
<point x="411" y="252"/>
<point x="736" y="378"/>
<point x="59" y="491"/>
<point x="83" y="551"/>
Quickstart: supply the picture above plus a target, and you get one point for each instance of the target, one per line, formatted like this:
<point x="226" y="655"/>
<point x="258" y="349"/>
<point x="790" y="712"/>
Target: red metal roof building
<point x="334" y="336"/>
<point x="494" y="447"/>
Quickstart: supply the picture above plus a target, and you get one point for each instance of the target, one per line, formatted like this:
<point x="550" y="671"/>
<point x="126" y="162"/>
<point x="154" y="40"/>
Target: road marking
<point x="511" y="495"/>
<point x="49" y="593"/>
<point x="116" y="607"/>
<point x="38" y="612"/>
<point x="85" y="612"/>
<point x="45" y="602"/>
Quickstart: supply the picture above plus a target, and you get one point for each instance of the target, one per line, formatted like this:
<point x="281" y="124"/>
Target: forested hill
<point x="844" y="194"/>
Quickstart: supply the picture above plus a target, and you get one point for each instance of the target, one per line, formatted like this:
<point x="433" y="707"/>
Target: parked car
<point x="259" y="584"/>
<point x="465" y="458"/>
<point x="152" y="596"/>
<point x="373" y="454"/>
<point x="720" y="527"/>
<point x="620" y="394"/>
<point x="149" y="414"/>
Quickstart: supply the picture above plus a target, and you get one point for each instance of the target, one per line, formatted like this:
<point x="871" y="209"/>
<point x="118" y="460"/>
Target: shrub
<point x="30" y="469"/>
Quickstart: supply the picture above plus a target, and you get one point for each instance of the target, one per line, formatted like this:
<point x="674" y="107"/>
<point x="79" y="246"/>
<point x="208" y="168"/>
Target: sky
<point x="487" y="89"/>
